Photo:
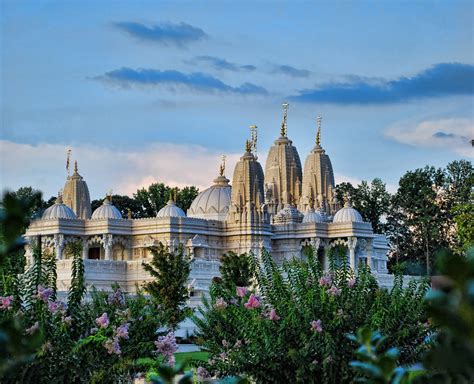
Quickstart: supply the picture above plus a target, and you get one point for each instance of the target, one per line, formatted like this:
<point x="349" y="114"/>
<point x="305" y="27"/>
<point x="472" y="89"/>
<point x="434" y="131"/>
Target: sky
<point x="158" y="91"/>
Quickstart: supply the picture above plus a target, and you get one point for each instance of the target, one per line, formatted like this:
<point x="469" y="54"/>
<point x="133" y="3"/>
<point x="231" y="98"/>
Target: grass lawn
<point x="187" y="356"/>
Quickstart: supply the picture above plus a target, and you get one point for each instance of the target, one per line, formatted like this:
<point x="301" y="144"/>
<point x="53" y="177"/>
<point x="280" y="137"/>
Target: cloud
<point x="221" y="64"/>
<point x="448" y="79"/>
<point x="449" y="134"/>
<point x="124" y="171"/>
<point x="291" y="71"/>
<point x="180" y="34"/>
<point x="128" y="77"/>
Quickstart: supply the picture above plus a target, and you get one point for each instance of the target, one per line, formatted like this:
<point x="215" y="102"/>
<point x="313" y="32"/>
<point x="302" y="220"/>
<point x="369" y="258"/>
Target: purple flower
<point x="102" y="321"/>
<point x="202" y="373"/>
<point x="225" y="343"/>
<point x="223" y="355"/>
<point x="252" y="303"/>
<point x="238" y="344"/>
<point x="351" y="282"/>
<point x="55" y="306"/>
<point x="316" y="326"/>
<point x="113" y="346"/>
<point x="241" y="291"/>
<point x="334" y="291"/>
<point x="325" y="280"/>
<point x="272" y="315"/>
<point x="32" y="329"/>
<point x="122" y="331"/>
<point x="234" y="301"/>
<point x="5" y="302"/>
<point x="116" y="297"/>
<point x="68" y="320"/>
<point x="44" y="293"/>
<point x="166" y="345"/>
<point x="220" y="304"/>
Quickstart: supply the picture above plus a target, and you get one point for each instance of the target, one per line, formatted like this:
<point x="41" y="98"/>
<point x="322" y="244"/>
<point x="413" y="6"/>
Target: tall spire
<point x="319" y="119"/>
<point x="75" y="166"/>
<point x="283" y="123"/>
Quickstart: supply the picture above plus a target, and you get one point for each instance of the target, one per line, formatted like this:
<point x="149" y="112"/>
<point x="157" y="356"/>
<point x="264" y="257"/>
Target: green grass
<point x="188" y="356"/>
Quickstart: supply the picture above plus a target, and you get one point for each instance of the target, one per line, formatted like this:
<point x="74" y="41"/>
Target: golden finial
<point x="285" y="115"/>
<point x="253" y="132"/>
<point x="248" y="146"/>
<point x="75" y="166"/>
<point x="319" y="119"/>
<point x="222" y="167"/>
<point x="68" y="158"/>
<point x="108" y="195"/>
<point x="129" y="213"/>
<point x="175" y="195"/>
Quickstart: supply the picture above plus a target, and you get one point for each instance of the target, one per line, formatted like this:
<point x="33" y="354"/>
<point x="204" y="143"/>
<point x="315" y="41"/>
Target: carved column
<point x="370" y="250"/>
<point x="59" y="245"/>
<point x="85" y="248"/>
<point x="107" y="240"/>
<point x="351" y="244"/>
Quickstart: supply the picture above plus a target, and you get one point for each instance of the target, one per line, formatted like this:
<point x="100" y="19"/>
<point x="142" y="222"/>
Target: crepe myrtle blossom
<point x="225" y="343"/>
<point x="44" y="293"/>
<point x="202" y="374"/>
<point x="252" y="303"/>
<point x="326" y="280"/>
<point x="102" y="321"/>
<point x="166" y="345"/>
<point x="116" y="297"/>
<point x="122" y="331"/>
<point x="220" y="304"/>
<point x="241" y="291"/>
<point x="113" y="346"/>
<point x="316" y="326"/>
<point x="334" y="291"/>
<point x="351" y="282"/>
<point x="56" y="306"/>
<point x="6" y="302"/>
<point x="272" y="315"/>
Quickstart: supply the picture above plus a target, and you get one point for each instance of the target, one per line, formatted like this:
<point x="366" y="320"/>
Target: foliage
<point x="464" y="219"/>
<point x="78" y="286"/>
<point x="372" y="201"/>
<point x="451" y="308"/>
<point x="421" y="218"/>
<point x="124" y="204"/>
<point x="293" y="327"/>
<point x="235" y="270"/>
<point x="170" y="271"/>
<point x="154" y="198"/>
<point x="378" y="365"/>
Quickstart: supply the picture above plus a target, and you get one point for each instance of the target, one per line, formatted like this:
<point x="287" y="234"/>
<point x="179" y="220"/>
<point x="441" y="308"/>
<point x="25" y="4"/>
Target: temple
<point x="285" y="209"/>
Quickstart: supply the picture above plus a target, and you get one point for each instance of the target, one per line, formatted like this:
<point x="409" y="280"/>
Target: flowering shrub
<point x="293" y="328"/>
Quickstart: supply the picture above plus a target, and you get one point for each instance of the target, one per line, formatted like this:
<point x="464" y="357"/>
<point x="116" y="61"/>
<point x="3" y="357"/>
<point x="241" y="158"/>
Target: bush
<point x="235" y="270"/>
<point x="293" y="328"/>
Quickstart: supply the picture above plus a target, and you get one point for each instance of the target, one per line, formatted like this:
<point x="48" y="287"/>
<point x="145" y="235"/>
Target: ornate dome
<point x="311" y="216"/>
<point x="213" y="203"/>
<point x="347" y="214"/>
<point x="106" y="211"/>
<point x="59" y="211"/>
<point x="171" y="210"/>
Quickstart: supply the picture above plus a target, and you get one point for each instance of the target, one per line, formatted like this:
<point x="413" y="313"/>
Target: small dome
<point x="171" y="210"/>
<point x="106" y="211"/>
<point x="347" y="214"/>
<point x="59" y="211"/>
<point x="213" y="203"/>
<point x="311" y="216"/>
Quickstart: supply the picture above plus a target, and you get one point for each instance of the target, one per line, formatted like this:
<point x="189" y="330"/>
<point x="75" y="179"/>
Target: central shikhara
<point x="284" y="210"/>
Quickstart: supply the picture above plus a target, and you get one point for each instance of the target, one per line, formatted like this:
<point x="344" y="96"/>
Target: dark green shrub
<point x="293" y="328"/>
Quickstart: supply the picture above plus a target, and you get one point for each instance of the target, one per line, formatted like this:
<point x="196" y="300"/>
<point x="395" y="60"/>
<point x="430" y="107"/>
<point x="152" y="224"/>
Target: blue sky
<point x="146" y="91"/>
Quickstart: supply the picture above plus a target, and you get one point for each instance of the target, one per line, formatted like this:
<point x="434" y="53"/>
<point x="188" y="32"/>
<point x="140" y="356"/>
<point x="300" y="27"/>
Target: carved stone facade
<point x="114" y="248"/>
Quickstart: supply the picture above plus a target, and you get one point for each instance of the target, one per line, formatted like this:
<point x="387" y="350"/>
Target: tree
<point x="235" y="270"/>
<point x="170" y="271"/>
<point x="186" y="196"/>
<point x="372" y="201"/>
